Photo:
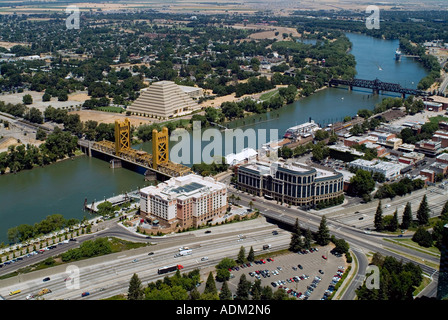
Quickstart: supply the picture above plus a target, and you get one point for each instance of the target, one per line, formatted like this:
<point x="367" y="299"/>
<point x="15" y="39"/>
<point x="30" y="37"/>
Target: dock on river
<point x="114" y="200"/>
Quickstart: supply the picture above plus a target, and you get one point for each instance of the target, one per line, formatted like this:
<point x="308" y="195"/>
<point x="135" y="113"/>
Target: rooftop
<point x="184" y="187"/>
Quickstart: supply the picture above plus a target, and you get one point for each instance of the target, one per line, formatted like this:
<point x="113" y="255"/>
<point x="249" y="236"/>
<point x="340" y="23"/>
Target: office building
<point x="295" y="183"/>
<point x="388" y="169"/>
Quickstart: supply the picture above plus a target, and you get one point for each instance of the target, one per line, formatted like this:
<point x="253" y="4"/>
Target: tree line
<point x="422" y="236"/>
<point x="88" y="249"/>
<point x="58" y="145"/>
<point x="397" y="280"/>
<point x="54" y="222"/>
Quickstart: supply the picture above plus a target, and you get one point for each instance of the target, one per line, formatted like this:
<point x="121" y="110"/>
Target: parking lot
<point x="303" y="276"/>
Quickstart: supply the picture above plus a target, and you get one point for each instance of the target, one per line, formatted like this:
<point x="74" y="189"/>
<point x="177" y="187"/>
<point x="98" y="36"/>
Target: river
<point x="29" y="196"/>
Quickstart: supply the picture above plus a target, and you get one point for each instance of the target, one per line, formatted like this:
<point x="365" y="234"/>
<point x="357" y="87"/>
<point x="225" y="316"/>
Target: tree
<point x="194" y="294"/>
<point x="256" y="290"/>
<point x="296" y="238"/>
<point x="393" y="226"/>
<point x="34" y="115"/>
<point x="308" y="238"/>
<point x="407" y="216"/>
<point x="225" y="293"/>
<point x="266" y="293"/>
<point x="241" y="255"/>
<point x="251" y="255"/>
<point x="422" y="237"/>
<point x="285" y="152"/>
<point x="41" y="134"/>
<point x="210" y="286"/>
<point x="242" y="290"/>
<point x="362" y="183"/>
<point x="62" y="95"/>
<point x="46" y="97"/>
<point x="423" y="211"/>
<point x="222" y="269"/>
<point x="341" y="245"/>
<point x="135" y="291"/>
<point x="378" y="221"/>
<point x="323" y="233"/>
<point x="27" y="99"/>
<point x="105" y="209"/>
<point x="444" y="213"/>
<point x="280" y="294"/>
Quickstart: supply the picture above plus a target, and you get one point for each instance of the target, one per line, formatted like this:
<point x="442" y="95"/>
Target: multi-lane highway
<point x="363" y="218"/>
<point x="109" y="277"/>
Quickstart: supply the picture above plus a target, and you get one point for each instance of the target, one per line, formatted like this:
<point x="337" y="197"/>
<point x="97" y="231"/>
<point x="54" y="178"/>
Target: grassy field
<point x="409" y="243"/>
<point x="268" y="95"/>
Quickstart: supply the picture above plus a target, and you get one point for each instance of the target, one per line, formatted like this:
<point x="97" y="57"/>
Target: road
<point x="112" y="230"/>
<point x="108" y="278"/>
<point x="360" y="241"/>
<point x="220" y="243"/>
<point x="364" y="216"/>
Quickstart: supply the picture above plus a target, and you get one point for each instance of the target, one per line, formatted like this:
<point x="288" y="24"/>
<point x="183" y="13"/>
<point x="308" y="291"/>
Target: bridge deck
<point x="378" y="85"/>
<point x="137" y="157"/>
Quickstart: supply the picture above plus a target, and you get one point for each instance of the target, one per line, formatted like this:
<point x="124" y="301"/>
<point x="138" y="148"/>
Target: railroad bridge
<point x="158" y="162"/>
<point x="377" y="86"/>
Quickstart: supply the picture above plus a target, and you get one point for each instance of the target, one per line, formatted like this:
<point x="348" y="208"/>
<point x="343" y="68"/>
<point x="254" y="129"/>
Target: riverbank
<point x="29" y="196"/>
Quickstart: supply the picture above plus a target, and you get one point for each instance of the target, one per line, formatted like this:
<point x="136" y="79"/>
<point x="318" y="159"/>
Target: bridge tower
<point x="122" y="136"/>
<point x="160" y="147"/>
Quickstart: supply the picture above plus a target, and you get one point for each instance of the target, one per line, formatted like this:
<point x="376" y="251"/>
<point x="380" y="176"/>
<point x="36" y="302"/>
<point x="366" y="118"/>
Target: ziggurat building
<point x="163" y="99"/>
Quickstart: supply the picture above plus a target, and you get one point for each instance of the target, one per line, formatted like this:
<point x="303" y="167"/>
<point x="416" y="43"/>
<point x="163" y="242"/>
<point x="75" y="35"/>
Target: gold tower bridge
<point x="157" y="162"/>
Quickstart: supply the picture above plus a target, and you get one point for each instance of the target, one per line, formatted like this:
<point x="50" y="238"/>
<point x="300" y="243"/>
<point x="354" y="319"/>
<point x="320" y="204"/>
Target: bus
<point x="14" y="292"/>
<point x="169" y="269"/>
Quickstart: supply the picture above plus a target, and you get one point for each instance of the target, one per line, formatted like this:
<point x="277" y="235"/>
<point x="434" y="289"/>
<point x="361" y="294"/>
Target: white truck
<point x="183" y="253"/>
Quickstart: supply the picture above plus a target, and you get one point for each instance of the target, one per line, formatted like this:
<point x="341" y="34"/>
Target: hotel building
<point x="185" y="201"/>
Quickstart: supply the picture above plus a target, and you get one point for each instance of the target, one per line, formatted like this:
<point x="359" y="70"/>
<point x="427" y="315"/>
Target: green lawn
<point x="268" y="95"/>
<point x="408" y="242"/>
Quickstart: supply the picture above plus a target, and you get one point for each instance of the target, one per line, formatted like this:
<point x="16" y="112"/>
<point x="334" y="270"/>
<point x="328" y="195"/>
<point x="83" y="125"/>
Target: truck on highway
<point x="183" y="253"/>
<point x="43" y="291"/>
<point x="183" y="248"/>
